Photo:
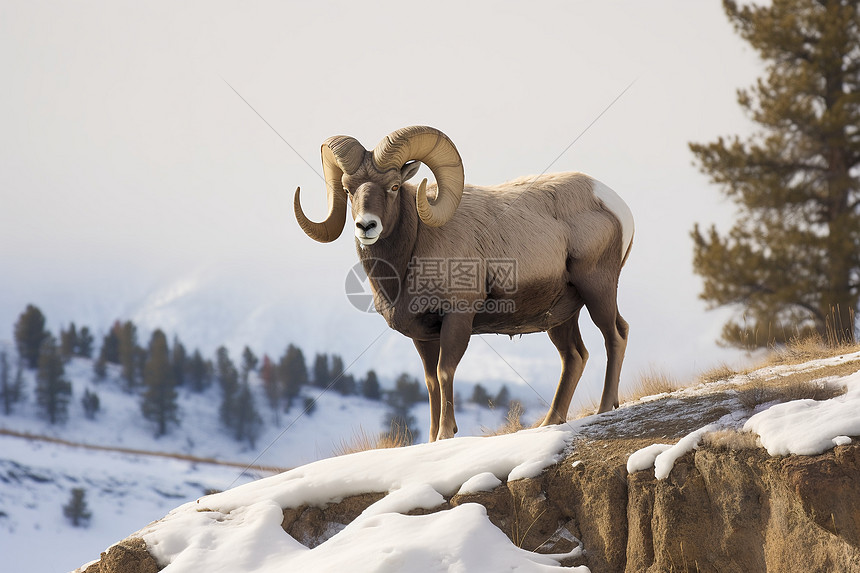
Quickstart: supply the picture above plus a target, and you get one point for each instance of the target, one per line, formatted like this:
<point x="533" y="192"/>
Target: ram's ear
<point x="409" y="170"/>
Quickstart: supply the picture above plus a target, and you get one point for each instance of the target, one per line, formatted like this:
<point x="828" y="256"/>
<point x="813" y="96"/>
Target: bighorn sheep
<point x="565" y="236"/>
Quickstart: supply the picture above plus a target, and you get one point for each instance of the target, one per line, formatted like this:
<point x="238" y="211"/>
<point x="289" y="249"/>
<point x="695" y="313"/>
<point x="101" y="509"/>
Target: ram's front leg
<point x="429" y="352"/>
<point x="454" y="338"/>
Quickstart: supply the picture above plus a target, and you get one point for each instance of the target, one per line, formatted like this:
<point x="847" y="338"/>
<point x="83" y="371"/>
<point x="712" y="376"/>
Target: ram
<point x="449" y="260"/>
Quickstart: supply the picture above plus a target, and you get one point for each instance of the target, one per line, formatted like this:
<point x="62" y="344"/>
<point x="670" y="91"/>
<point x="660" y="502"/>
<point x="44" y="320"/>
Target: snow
<point x="644" y="459"/>
<point x="122" y="492"/>
<point x="291" y="439"/>
<point x="485" y="481"/>
<point x="801" y="427"/>
<point x="809" y="427"/>
<point x="665" y="461"/>
<point x="240" y="529"/>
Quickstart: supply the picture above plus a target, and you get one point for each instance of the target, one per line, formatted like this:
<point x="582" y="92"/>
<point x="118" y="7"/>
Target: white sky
<point x="136" y="184"/>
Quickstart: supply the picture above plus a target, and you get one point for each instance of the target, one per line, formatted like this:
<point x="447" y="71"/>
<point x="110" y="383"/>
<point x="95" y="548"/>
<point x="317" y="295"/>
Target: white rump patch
<point x="619" y="208"/>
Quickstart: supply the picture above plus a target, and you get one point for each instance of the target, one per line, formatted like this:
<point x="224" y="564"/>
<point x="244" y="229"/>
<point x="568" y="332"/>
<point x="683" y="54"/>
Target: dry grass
<point x="397" y="437"/>
<point x="588" y="408"/>
<point x="807" y="385"/>
<point x="718" y="373"/>
<point x="650" y="383"/>
<point x="731" y="440"/>
<point x="812" y="347"/>
<point x="513" y="421"/>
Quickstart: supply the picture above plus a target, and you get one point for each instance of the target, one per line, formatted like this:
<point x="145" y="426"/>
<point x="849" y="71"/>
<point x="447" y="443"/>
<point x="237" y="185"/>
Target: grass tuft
<point x="650" y="383"/>
<point x="731" y="440"/>
<point x="361" y="440"/>
<point x="513" y="420"/>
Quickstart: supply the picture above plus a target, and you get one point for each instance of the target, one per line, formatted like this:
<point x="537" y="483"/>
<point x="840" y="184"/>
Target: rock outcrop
<point x="720" y="510"/>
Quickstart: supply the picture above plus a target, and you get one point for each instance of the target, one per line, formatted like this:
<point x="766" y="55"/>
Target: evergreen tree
<point x="11" y="388"/>
<point x="293" y="373"/>
<point x="178" y="362"/>
<point x="68" y="341"/>
<point x="791" y="261"/>
<point x="271" y="386"/>
<point x="480" y="396"/>
<point x="85" y="343"/>
<point x="53" y="391"/>
<point x="322" y="376"/>
<point x="91" y="404"/>
<point x="159" y="398"/>
<point x="199" y="372"/>
<point x="249" y="363"/>
<point x="129" y="355"/>
<point x="100" y="368"/>
<point x="246" y="419"/>
<point x="30" y="333"/>
<point x="370" y="387"/>
<point x="344" y="383"/>
<point x="228" y="380"/>
<point x="109" y="352"/>
<point x="76" y="510"/>
<point x="502" y="399"/>
<point x="406" y="393"/>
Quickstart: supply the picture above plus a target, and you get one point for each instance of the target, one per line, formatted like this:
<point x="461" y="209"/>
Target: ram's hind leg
<point x="429" y="352"/>
<point x="603" y="308"/>
<point x="568" y="341"/>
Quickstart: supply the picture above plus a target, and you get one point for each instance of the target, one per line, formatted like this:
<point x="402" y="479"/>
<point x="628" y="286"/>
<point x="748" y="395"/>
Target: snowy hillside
<point x="287" y="439"/>
<point x="243" y="529"/>
<point x="125" y="490"/>
<point x="122" y="491"/>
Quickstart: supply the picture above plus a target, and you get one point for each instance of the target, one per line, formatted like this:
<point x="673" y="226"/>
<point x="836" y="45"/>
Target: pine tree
<point x="85" y="343"/>
<point x="406" y="393"/>
<point x="76" y="510"/>
<point x="480" y="396"/>
<point x="109" y="352"/>
<point x="159" y="399"/>
<point x="68" y="341"/>
<point x="11" y="388"/>
<point x="129" y="355"/>
<point x="293" y="373"/>
<point x="178" y="362"/>
<point x="344" y="383"/>
<point x="502" y="399"/>
<point x="228" y="380"/>
<point x="246" y="419"/>
<point x="53" y="391"/>
<point x="30" y="333"/>
<point x="322" y="376"/>
<point x="370" y="387"/>
<point x="271" y="386"/>
<point x="249" y="363"/>
<point x="791" y="261"/>
<point x="91" y="404"/>
<point x="199" y="372"/>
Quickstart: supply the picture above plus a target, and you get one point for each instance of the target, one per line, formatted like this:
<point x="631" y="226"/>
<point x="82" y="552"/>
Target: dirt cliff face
<point x="720" y="510"/>
<point x="724" y="507"/>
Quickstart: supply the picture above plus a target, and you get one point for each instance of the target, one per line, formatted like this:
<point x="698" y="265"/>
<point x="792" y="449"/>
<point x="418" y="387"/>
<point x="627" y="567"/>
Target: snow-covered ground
<point x="122" y="492"/>
<point x="295" y="439"/>
<point x="125" y="491"/>
<point x="240" y="528"/>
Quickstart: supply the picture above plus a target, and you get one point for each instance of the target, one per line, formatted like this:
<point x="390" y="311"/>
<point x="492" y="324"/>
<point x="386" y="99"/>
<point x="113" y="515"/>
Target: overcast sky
<point x="136" y="184"/>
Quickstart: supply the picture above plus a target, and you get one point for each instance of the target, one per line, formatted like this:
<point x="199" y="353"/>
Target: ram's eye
<point x="395" y="187"/>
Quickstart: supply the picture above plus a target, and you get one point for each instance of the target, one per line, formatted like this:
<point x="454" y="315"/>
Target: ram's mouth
<point x="366" y="239"/>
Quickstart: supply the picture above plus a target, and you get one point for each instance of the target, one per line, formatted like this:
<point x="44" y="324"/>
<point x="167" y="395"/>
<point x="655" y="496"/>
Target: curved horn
<point x="339" y="154"/>
<point x="432" y="147"/>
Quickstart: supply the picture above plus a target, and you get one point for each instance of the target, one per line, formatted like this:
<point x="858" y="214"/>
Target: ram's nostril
<point x="366" y="227"/>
